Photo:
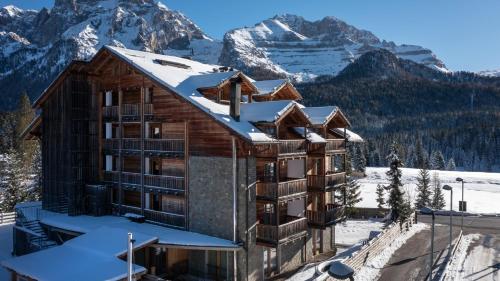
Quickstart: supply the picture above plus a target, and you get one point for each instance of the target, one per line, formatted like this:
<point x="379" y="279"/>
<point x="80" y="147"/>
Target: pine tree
<point x="359" y="160"/>
<point x="380" y="196"/>
<point x="13" y="181"/>
<point x="394" y="176"/>
<point x="419" y="154"/>
<point x="353" y="195"/>
<point x="348" y="163"/>
<point x="423" y="189"/>
<point x="437" y="160"/>
<point x="451" y="165"/>
<point x="376" y="159"/>
<point x="438" y="202"/>
<point x="35" y="189"/>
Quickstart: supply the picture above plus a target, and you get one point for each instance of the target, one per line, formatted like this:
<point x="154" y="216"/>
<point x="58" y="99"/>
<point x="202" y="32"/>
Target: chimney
<point x="235" y="98"/>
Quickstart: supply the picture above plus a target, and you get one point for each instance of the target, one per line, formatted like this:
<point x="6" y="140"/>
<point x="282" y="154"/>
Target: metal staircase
<point x="28" y="221"/>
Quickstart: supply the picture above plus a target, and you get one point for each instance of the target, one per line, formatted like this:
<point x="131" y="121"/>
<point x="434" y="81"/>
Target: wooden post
<point x="186" y="174"/>
<point x="142" y="97"/>
<point x="120" y="152"/>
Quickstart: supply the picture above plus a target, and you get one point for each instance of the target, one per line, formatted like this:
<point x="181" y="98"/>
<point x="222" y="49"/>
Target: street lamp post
<point x="447" y="187"/>
<point x="463" y="203"/>
<point x="431" y="260"/>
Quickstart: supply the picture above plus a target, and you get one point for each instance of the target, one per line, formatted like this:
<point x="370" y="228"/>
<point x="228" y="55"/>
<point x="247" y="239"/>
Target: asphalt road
<point x="411" y="261"/>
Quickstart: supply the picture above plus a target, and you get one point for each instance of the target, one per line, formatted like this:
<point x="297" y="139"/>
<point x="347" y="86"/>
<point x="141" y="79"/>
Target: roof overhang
<point x="33" y="130"/>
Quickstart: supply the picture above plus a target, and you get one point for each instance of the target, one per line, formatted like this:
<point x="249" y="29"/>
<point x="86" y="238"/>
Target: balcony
<point x="110" y="113"/>
<point x="335" y="145"/>
<point x="326" y="182"/>
<point x="331" y="214"/>
<point x="154" y="181"/>
<point x="154" y="147"/>
<point x="283" y="190"/>
<point x="165" y="218"/>
<point x="295" y="227"/>
<point x="281" y="148"/>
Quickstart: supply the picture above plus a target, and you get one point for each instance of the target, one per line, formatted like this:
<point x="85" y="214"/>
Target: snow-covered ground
<point x="372" y="269"/>
<point x="349" y="235"/>
<point x="455" y="268"/>
<point x="351" y="232"/>
<point x="5" y="247"/>
<point x="482" y="190"/>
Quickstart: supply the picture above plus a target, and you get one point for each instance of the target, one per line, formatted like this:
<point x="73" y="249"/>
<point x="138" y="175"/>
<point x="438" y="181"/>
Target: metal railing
<point x="130" y="109"/>
<point x="148" y="109"/>
<point x="272" y="190"/>
<point x="274" y="233"/>
<point x="131" y="178"/>
<point x="131" y="144"/>
<point x="111" y="144"/>
<point x="334" y="179"/>
<point x="164" y="218"/>
<point x="331" y="213"/>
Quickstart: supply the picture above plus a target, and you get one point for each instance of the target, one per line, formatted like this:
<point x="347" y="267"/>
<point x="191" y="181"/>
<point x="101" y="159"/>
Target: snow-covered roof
<point x="268" y="111"/>
<point x="268" y="86"/>
<point x="350" y="135"/>
<point x="184" y="79"/>
<point x="320" y="115"/>
<point x="311" y="136"/>
<point x="93" y="256"/>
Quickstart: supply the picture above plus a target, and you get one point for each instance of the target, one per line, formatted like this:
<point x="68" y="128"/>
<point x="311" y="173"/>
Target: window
<point x="155" y="131"/>
<point x="270" y="171"/>
<point x="155" y="167"/>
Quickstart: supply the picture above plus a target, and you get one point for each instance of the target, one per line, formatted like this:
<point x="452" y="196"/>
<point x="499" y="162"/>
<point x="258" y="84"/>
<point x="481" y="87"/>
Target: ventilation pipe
<point x="235" y="98"/>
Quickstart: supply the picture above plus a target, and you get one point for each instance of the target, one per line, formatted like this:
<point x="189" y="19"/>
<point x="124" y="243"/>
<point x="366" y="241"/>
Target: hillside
<point x="389" y="98"/>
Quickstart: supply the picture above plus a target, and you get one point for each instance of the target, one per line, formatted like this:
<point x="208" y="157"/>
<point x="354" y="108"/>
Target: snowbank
<point x="371" y="270"/>
<point x="457" y="268"/>
<point x="482" y="190"/>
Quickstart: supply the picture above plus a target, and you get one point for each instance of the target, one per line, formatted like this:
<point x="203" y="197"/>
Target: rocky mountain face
<point x="37" y="45"/>
<point x="291" y="46"/>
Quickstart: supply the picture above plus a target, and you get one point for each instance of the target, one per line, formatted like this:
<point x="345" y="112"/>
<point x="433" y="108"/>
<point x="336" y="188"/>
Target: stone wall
<point x="211" y="207"/>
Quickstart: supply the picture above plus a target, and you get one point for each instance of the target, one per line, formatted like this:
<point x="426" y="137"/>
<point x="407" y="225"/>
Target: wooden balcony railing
<point x="275" y="234"/>
<point x="148" y="109"/>
<point x="331" y="214"/>
<point x="292" y="146"/>
<point x="335" y="144"/>
<point x="274" y="191"/>
<point x="130" y="109"/>
<point x="110" y="112"/>
<point x="168" y="145"/>
<point x="111" y="144"/>
<point x="161" y="181"/>
<point x="131" y="144"/>
<point x="324" y="182"/>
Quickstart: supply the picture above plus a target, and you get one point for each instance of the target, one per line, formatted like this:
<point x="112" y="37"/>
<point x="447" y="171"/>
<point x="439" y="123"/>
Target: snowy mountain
<point x="290" y="45"/>
<point x="490" y="73"/>
<point x="36" y="45"/>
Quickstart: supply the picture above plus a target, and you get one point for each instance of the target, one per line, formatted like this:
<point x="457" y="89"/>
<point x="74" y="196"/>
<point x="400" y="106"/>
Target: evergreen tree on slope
<point x="394" y="175"/>
<point x="423" y="189"/>
<point x="13" y="183"/>
<point x="451" y="165"/>
<point x="437" y="160"/>
<point x="380" y="196"/>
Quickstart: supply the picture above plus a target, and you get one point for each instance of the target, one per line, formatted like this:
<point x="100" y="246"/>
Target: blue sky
<point x="464" y="34"/>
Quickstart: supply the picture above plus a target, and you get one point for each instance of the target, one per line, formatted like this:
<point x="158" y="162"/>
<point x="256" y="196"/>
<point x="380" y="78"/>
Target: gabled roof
<point x="272" y="87"/>
<point x="349" y="135"/>
<point x="321" y="116"/>
<point x="267" y="112"/>
<point x="185" y="81"/>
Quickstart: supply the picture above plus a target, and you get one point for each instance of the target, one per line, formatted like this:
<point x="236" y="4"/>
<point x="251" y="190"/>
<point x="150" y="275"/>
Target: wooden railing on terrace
<point x="160" y="181"/>
<point x="335" y="144"/>
<point x="291" y="146"/>
<point x="161" y="145"/>
<point x="331" y="214"/>
<point x="323" y="182"/>
<point x="153" y="216"/>
<point x="110" y="112"/>
<point x="275" y="234"/>
<point x="274" y="191"/>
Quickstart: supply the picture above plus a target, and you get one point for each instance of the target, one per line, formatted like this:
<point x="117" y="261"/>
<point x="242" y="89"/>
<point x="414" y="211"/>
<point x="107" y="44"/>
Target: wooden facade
<point x="119" y="128"/>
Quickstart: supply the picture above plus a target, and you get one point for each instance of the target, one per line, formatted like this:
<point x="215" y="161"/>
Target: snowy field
<point x="352" y="232"/>
<point x="5" y="248"/>
<point x="482" y="190"/>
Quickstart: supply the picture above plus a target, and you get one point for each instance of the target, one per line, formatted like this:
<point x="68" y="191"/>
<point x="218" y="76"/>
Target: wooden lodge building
<point x="193" y="149"/>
